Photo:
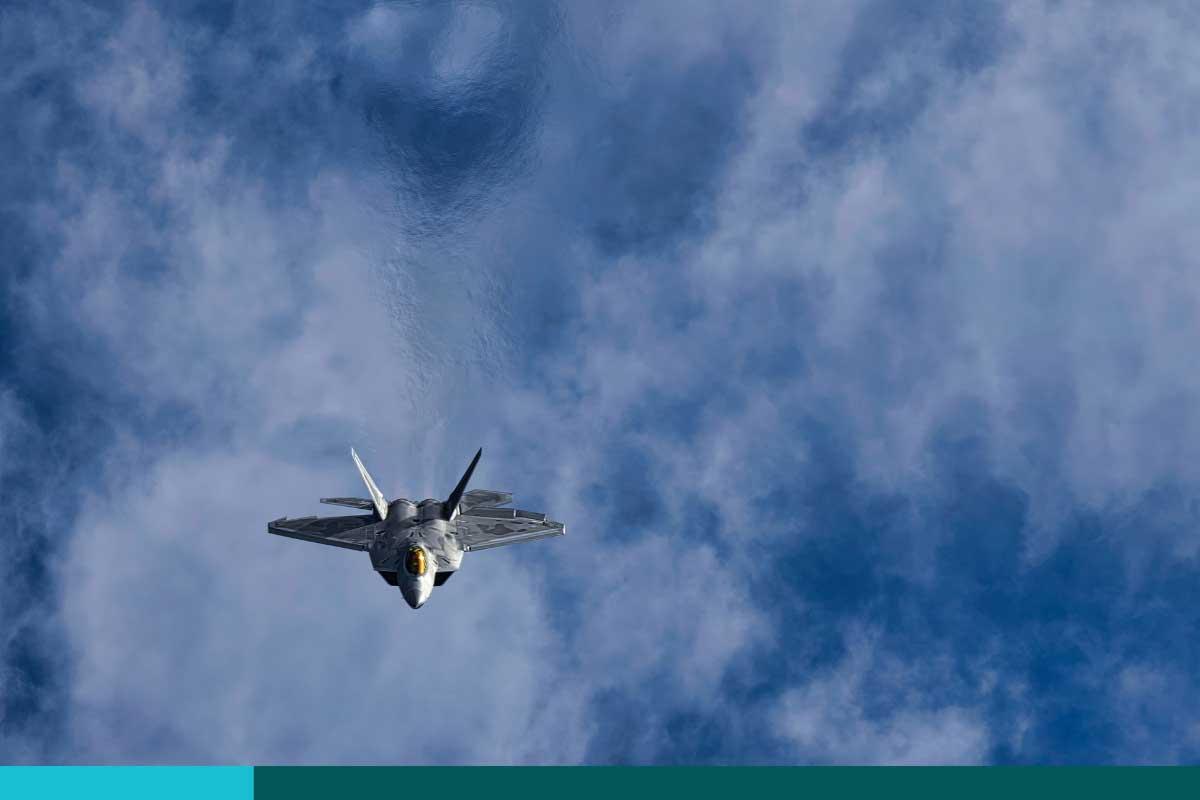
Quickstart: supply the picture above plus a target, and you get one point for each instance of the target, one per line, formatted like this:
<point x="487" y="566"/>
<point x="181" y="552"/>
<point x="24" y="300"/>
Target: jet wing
<point x="354" y="533"/>
<point x="353" y="502"/>
<point x="484" y="528"/>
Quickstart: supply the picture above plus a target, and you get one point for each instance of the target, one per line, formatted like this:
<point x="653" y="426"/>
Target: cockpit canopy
<point x="415" y="562"/>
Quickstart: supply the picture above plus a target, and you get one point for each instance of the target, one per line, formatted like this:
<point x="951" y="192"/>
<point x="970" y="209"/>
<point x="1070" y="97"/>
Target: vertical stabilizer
<point x="381" y="506"/>
<point x="450" y="507"/>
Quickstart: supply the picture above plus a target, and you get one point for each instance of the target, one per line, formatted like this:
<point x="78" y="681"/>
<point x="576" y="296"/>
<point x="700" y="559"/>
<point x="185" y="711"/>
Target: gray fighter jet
<point x="418" y="546"/>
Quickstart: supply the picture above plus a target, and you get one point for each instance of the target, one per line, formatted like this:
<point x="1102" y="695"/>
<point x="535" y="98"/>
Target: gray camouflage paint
<point x="441" y="531"/>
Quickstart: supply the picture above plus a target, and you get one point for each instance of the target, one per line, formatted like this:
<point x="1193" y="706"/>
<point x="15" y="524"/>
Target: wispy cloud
<point x="850" y="342"/>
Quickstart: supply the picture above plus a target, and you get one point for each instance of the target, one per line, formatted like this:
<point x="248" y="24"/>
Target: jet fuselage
<point x="416" y="545"/>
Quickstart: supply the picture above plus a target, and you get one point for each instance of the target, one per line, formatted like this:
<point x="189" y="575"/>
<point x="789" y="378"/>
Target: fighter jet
<point x="417" y="546"/>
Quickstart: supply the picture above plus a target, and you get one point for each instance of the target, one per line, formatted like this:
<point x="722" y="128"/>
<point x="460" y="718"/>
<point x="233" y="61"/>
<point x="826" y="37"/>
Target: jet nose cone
<point x="413" y="594"/>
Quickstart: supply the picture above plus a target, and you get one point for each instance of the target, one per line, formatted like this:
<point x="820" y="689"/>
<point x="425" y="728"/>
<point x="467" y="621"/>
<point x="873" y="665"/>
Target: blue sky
<point x="853" y="341"/>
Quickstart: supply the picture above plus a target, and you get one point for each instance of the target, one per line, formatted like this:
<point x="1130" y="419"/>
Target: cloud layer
<point x="852" y="343"/>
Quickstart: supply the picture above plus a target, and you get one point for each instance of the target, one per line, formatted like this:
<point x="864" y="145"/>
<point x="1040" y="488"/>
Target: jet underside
<point x="418" y="546"/>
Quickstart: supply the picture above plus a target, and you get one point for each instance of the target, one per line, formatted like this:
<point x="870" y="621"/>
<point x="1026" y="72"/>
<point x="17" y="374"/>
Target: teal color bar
<point x="127" y="783"/>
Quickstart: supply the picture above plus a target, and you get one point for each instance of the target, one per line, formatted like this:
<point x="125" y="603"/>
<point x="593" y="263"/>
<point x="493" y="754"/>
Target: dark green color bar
<point x="723" y="783"/>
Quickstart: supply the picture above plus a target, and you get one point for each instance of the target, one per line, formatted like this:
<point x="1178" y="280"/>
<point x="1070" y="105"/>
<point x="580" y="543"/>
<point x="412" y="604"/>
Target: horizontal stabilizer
<point x="350" y="502"/>
<point x="484" y="497"/>
<point x="508" y="513"/>
<point x="514" y="538"/>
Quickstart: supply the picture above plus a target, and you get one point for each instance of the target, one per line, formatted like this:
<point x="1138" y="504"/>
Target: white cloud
<point x="196" y="637"/>
<point x="825" y="720"/>
<point x="474" y="30"/>
<point x="1158" y="723"/>
<point x="1049" y="269"/>
<point x="140" y="78"/>
<point x="1042" y="207"/>
<point x="229" y="645"/>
